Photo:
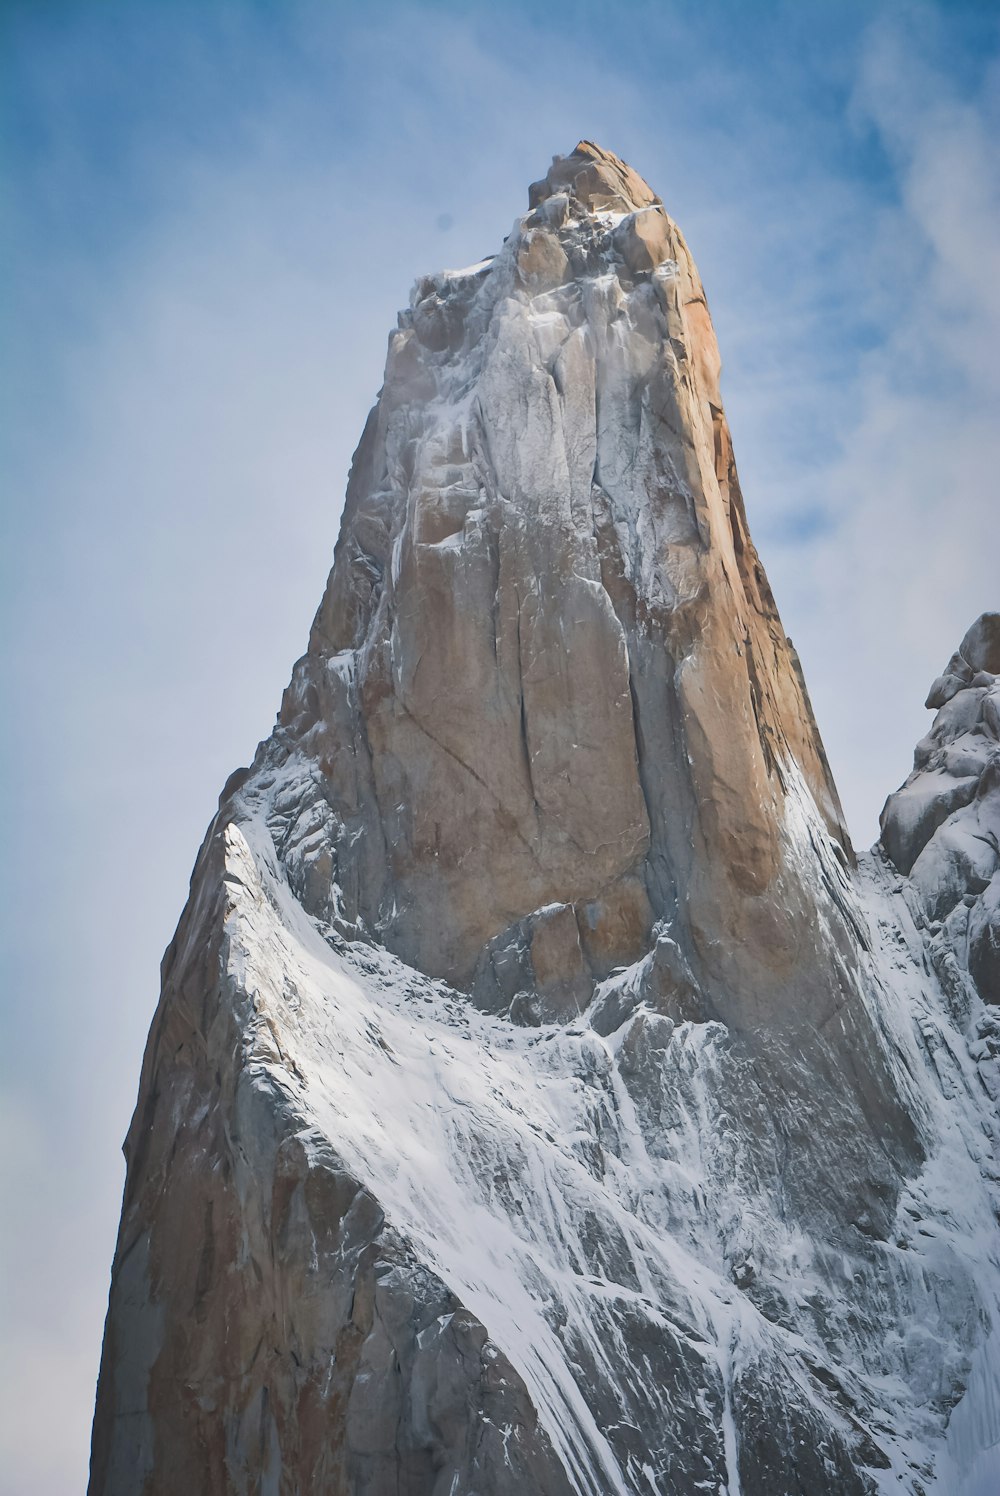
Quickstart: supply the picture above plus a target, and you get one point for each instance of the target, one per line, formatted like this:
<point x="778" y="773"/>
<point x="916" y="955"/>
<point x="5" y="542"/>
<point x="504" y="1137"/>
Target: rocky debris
<point x="540" y="1098"/>
<point x="942" y="827"/>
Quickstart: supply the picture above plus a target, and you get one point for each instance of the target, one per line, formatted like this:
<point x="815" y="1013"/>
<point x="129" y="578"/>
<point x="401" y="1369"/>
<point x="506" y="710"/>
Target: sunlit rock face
<point x="540" y="1097"/>
<point x="548" y="638"/>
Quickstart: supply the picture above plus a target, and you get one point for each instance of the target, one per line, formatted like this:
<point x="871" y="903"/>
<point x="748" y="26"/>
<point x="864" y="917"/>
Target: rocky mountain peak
<point x="593" y="181"/>
<point x="549" y="627"/>
<point x="541" y="1097"/>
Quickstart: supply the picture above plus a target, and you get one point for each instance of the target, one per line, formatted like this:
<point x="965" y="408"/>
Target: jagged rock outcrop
<point x="540" y="1098"/>
<point x="942" y="828"/>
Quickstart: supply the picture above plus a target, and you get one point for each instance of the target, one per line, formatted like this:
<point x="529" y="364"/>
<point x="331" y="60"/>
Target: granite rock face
<point x="548" y="669"/>
<point x="540" y="1096"/>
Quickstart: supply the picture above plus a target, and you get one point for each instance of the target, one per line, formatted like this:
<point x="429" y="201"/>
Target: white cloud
<point x="888" y="594"/>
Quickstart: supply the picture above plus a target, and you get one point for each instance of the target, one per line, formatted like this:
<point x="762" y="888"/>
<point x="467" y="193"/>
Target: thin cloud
<point x="887" y="596"/>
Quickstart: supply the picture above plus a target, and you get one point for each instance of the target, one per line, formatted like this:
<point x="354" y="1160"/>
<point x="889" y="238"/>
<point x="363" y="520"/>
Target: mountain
<point x="542" y="1096"/>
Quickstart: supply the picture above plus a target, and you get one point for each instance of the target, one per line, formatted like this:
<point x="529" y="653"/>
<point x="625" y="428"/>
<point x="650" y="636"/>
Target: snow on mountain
<point x="542" y="1096"/>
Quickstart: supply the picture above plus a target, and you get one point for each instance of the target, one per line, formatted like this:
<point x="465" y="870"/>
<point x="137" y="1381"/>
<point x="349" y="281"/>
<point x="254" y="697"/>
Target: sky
<point x="211" y="213"/>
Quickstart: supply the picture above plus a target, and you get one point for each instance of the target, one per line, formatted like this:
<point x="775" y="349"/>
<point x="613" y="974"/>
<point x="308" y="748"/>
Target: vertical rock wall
<point x="552" y="643"/>
<point x="530" y="1104"/>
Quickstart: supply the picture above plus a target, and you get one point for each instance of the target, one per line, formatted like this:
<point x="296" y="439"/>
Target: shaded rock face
<point x="942" y="827"/>
<point x="271" y="1324"/>
<point x="540" y="1098"/>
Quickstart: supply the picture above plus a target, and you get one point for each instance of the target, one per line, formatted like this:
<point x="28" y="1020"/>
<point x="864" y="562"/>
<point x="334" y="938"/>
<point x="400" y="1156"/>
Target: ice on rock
<point x="542" y="1097"/>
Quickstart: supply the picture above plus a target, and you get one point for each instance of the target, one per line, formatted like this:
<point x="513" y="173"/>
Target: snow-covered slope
<point x="540" y="1098"/>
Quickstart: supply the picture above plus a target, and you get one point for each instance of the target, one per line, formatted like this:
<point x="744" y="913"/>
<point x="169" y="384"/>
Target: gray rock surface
<point x="539" y="1097"/>
<point x="942" y="827"/>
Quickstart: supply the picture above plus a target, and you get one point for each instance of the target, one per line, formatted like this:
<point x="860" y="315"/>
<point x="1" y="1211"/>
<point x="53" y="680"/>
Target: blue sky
<point x="211" y="214"/>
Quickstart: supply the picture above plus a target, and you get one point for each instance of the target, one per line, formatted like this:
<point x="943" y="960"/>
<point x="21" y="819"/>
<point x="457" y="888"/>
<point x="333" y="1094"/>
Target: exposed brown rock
<point x="523" y="994"/>
<point x="570" y="679"/>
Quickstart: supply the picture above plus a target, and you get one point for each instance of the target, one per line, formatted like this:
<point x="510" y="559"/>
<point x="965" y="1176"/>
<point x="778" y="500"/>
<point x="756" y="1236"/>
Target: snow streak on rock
<point x="540" y="1096"/>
